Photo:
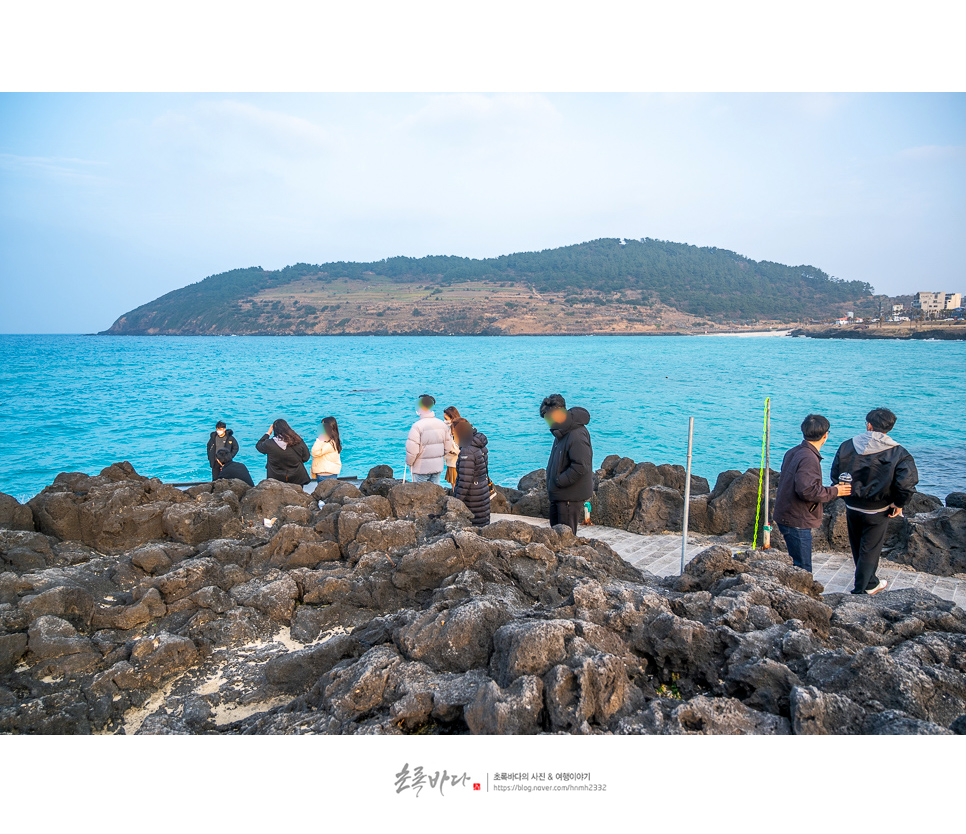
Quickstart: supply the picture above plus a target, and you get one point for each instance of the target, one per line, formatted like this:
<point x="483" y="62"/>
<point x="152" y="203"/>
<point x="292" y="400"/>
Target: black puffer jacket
<point x="883" y="472"/>
<point x="285" y="464"/>
<point x="230" y="444"/>
<point x="570" y="470"/>
<point x="473" y="479"/>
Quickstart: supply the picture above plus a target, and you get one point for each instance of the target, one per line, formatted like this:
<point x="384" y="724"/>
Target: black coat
<point x="230" y="444"/>
<point x="473" y="479"/>
<point x="285" y="464"/>
<point x="236" y="470"/>
<point x="570" y="470"/>
<point x="884" y="477"/>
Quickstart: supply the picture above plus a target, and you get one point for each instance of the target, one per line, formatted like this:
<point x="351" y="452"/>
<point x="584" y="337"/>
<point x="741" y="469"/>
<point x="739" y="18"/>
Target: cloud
<point x="210" y="125"/>
<point x="60" y="167"/>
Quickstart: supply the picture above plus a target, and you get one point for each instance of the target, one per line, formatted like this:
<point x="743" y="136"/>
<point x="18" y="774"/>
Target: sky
<point x="108" y="201"/>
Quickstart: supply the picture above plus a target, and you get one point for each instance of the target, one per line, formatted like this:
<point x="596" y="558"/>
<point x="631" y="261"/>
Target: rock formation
<point x="134" y="608"/>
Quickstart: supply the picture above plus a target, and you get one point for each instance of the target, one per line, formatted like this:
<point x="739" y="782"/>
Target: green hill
<point x="606" y="285"/>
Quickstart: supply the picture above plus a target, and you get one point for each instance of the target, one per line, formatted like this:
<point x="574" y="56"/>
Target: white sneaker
<point x="880" y="587"/>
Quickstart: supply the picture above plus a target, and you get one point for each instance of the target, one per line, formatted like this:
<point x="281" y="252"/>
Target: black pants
<point x="867" y="534"/>
<point x="570" y="513"/>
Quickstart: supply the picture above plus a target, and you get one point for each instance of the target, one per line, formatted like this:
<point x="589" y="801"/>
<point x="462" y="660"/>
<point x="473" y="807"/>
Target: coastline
<point x="936" y="334"/>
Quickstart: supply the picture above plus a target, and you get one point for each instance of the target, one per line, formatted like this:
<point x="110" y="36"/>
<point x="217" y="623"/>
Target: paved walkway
<point x="661" y="555"/>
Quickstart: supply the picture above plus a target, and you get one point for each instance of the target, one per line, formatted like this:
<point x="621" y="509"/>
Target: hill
<point x="603" y="286"/>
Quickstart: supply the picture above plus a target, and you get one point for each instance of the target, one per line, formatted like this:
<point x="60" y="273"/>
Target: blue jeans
<point x="321" y="478"/>
<point x="429" y="477"/>
<point x="799" y="542"/>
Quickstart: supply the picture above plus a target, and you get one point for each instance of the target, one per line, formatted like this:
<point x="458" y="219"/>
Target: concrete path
<point x="661" y="555"/>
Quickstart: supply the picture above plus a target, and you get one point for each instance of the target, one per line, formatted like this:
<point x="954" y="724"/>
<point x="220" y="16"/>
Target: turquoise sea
<point x="79" y="403"/>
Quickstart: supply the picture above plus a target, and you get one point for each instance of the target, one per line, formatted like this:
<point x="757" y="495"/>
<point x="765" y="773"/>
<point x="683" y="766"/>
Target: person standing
<point x="221" y="438"/>
<point x="570" y="473"/>
<point x="230" y="468"/>
<point x="326" y="451"/>
<point x="884" y="478"/>
<point x="286" y="453"/>
<point x="450" y="416"/>
<point x="428" y="443"/>
<point x="800" y="496"/>
<point x="472" y="485"/>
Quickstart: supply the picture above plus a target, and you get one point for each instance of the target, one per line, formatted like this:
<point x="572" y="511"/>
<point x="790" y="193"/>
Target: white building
<point x="937" y="302"/>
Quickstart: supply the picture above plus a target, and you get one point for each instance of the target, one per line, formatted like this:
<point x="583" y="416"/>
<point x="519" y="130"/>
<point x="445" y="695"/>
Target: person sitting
<point x="228" y="468"/>
<point x="326" y="459"/>
<point x="221" y="438"/>
<point x="286" y="453"/>
<point x="472" y="485"/>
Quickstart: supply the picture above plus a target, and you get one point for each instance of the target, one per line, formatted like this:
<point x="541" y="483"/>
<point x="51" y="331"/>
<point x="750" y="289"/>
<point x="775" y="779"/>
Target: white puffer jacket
<point x="427" y="445"/>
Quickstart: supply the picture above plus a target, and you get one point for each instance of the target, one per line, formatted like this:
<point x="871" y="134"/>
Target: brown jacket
<point x="798" y="502"/>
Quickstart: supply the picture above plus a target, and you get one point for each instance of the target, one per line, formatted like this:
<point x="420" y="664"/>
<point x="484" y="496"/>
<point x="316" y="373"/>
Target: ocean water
<point x="79" y="403"/>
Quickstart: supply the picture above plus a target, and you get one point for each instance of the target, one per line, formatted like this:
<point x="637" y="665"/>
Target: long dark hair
<point x="452" y="413"/>
<point x="332" y="429"/>
<point x="285" y="432"/>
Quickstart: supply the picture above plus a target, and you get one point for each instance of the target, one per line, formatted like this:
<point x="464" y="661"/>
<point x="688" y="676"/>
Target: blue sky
<point x="110" y="200"/>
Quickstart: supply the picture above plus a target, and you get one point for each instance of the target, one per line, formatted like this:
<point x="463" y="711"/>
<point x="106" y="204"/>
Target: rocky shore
<point x="127" y="605"/>
<point x="946" y="333"/>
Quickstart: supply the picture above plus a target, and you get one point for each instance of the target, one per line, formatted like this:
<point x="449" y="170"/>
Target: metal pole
<point x="687" y="493"/>
<point x="766" y="531"/>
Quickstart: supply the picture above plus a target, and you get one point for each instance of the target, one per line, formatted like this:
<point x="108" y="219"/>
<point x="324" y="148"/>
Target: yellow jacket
<point x="325" y="458"/>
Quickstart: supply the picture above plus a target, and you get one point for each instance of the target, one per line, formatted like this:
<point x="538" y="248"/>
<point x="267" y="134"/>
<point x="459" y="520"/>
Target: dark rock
<point x="896" y="723"/>
<point x="113" y="511"/>
<point x="22" y="550"/>
<point x="674" y="476"/>
<point x="515" y="710"/>
<point x="733" y="509"/>
<point x="723" y="716"/>
<point x="208" y="517"/>
<point x="276" y="599"/>
<point x="294" y="546"/>
<point x="957" y="500"/>
<point x="589" y="690"/>
<point x="617" y="498"/>
<point x="535" y="504"/>
<point x="533" y="480"/>
<point x="50" y="636"/>
<point x="814" y="712"/>
<point x="12" y="648"/>
<point x="833" y="532"/>
<point x="414" y="500"/>
<point x="934" y="542"/>
<point x="454" y="639"/>
<point x="351" y="691"/>
<point x="528" y="648"/>
<point x="659" y="509"/>
<point x="149" y="607"/>
<point x="73" y="604"/>
<point x="14" y="515"/>
<point x="266" y="500"/>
